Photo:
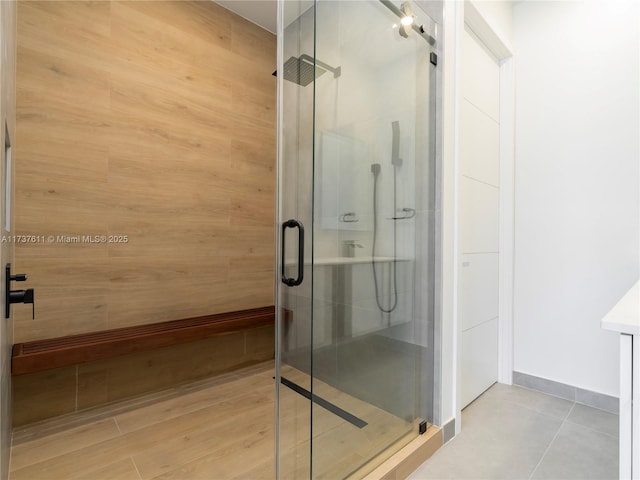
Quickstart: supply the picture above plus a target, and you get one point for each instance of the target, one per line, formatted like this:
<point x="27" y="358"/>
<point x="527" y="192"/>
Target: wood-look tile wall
<point x="154" y="120"/>
<point x="7" y="128"/>
<point x="41" y="395"/>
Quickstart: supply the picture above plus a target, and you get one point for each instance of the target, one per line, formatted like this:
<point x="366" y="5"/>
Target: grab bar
<point x="349" y="217"/>
<point x="409" y="213"/>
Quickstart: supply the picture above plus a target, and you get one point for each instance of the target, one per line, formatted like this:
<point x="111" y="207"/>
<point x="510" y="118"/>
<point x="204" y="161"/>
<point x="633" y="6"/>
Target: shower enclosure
<point x="358" y="209"/>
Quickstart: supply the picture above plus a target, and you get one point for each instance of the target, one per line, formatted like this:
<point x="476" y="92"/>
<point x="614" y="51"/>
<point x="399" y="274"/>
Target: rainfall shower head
<point x="303" y="70"/>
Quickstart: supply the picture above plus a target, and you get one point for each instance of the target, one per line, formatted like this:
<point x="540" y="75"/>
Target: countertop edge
<point x="624" y="317"/>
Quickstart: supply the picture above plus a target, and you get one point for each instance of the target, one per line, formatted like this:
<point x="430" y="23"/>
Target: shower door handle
<point x="292" y="282"/>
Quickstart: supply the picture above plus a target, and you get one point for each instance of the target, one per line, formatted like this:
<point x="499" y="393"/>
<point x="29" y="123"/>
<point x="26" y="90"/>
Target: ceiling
<point x="261" y="12"/>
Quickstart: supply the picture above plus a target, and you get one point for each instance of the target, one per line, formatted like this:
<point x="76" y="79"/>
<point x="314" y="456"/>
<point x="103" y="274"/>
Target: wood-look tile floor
<point x="217" y="429"/>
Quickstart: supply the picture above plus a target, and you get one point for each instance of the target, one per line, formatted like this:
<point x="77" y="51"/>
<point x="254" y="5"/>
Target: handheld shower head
<point x="375" y="169"/>
<point x="395" y="143"/>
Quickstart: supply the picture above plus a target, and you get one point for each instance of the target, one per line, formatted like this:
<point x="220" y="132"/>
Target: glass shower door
<point x="295" y="253"/>
<point x="357" y="192"/>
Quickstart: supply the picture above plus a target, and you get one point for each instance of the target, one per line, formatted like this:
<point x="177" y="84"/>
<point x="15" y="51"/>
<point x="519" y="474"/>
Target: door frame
<point x="468" y="14"/>
<point x="504" y="53"/>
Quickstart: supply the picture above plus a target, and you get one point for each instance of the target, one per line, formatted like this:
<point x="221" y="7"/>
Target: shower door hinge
<point x="422" y="427"/>
<point x="433" y="58"/>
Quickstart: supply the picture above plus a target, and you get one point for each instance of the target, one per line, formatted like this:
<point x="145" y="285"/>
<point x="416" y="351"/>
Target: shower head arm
<point x="308" y="58"/>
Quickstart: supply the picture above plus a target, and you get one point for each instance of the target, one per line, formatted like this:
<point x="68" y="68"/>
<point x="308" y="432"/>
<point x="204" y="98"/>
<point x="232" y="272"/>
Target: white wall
<point x="577" y="184"/>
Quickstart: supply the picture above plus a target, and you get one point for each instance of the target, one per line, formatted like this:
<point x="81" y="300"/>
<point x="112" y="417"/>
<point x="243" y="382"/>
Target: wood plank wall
<point x="8" y="115"/>
<point x="154" y="120"/>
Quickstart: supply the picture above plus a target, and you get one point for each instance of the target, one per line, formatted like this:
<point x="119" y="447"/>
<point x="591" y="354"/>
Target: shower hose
<point x="373" y="245"/>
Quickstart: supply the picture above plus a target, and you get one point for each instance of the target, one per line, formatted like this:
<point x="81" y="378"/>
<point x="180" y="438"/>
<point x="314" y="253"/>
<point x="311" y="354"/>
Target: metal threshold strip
<point x="327" y="405"/>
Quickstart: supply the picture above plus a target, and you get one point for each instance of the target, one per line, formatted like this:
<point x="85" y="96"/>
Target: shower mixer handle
<point x="349" y="248"/>
<point x="17" y="296"/>
<point x="24" y="296"/>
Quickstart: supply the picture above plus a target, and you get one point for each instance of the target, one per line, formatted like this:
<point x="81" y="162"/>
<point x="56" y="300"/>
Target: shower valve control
<point x="17" y="296"/>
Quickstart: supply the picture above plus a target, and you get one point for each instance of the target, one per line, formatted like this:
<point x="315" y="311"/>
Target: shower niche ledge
<point x="337" y="261"/>
<point x="329" y="261"/>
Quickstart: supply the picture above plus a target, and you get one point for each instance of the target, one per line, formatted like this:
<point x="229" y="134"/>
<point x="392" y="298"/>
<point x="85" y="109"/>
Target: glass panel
<point x="372" y="191"/>
<point x="295" y="187"/>
<point x="357" y="168"/>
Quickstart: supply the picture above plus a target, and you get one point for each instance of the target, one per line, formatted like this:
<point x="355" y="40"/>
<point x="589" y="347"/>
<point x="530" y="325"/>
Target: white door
<point x="479" y="191"/>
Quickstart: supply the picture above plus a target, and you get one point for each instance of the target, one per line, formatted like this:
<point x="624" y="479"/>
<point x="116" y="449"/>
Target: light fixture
<point x="406" y="20"/>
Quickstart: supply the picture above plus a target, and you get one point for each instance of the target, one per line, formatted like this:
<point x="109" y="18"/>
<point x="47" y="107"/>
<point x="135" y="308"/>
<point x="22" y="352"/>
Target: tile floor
<point x="515" y="433"/>
<point x="223" y="429"/>
<point x="216" y="429"/>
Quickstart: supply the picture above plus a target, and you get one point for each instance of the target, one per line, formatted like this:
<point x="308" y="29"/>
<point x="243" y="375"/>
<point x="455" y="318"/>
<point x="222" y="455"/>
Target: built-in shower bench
<point x="51" y="353"/>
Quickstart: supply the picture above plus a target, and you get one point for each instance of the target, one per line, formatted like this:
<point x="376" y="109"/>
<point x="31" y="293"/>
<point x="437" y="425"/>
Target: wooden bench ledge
<point x="42" y="355"/>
